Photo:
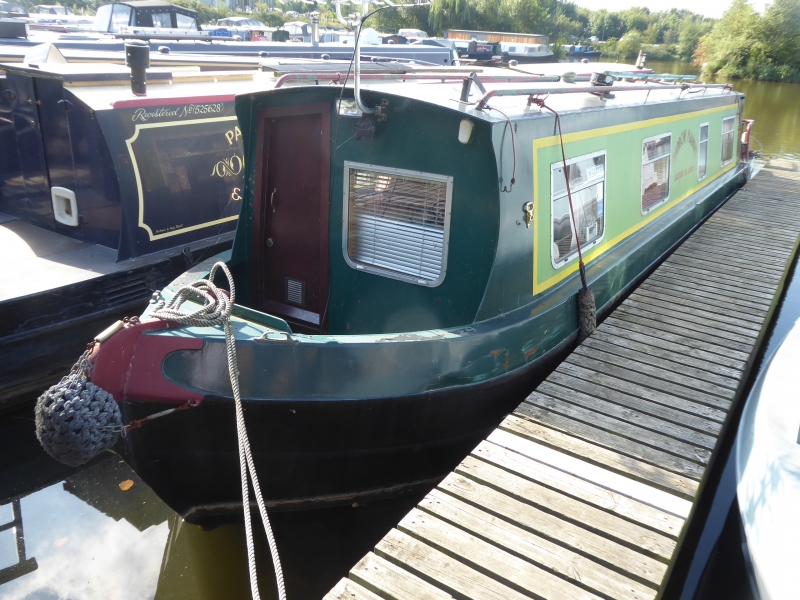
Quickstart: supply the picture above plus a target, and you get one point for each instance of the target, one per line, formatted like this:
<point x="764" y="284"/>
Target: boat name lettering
<point x="228" y="166"/>
<point x="684" y="173"/>
<point x="685" y="136"/>
<point x="236" y="195"/>
<point x="233" y="135"/>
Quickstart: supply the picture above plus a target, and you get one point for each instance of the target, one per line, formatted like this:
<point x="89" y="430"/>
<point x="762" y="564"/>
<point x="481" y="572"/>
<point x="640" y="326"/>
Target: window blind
<point x="397" y="223"/>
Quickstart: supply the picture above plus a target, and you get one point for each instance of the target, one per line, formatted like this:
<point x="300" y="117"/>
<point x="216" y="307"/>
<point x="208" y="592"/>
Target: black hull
<point x="42" y="335"/>
<point x="316" y="454"/>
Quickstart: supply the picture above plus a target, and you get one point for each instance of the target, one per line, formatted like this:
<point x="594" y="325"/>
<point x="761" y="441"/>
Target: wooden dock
<point x="586" y="489"/>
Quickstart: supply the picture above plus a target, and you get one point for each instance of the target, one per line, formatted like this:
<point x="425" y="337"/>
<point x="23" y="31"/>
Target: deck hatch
<point x="397" y="222"/>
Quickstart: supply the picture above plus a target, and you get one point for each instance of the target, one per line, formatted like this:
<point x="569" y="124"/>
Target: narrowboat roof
<point x="516" y="107"/>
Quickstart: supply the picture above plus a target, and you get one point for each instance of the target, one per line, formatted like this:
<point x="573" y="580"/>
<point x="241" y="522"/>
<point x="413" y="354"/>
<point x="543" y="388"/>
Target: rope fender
<point x="75" y="419"/>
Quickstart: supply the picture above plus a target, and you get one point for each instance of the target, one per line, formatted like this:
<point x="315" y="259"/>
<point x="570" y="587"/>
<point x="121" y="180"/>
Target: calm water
<point x="84" y="538"/>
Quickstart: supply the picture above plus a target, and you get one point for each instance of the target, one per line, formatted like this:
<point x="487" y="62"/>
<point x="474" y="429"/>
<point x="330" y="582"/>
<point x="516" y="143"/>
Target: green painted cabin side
<point x="495" y="262"/>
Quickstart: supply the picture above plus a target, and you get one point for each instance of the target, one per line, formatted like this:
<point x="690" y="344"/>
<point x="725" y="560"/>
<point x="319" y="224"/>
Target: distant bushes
<point x="630" y="45"/>
<point x="746" y="45"/>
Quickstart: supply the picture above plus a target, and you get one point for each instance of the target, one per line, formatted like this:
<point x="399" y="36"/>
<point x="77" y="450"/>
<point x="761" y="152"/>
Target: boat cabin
<point x="87" y="159"/>
<point x="157" y="14"/>
<point x="406" y="267"/>
<point x="9" y="10"/>
<point x="439" y="213"/>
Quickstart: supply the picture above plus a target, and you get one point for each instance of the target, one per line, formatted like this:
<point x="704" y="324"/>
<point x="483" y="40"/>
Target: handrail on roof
<point x="444" y="77"/>
<point x="589" y="89"/>
<point x="663" y="76"/>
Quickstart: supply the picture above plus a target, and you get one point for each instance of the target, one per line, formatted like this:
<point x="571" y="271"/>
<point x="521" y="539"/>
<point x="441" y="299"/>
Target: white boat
<point x="525" y="53"/>
<point x="768" y="473"/>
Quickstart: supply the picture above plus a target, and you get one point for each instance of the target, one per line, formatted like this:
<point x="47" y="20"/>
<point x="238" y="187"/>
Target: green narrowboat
<point x="406" y="270"/>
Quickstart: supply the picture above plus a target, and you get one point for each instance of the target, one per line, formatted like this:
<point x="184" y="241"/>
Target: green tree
<point x="780" y="31"/>
<point x="451" y="14"/>
<point x="630" y="44"/>
<point x="731" y="40"/>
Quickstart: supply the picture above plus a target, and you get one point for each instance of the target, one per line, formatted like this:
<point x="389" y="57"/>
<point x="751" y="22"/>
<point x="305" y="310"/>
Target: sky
<point x="709" y="8"/>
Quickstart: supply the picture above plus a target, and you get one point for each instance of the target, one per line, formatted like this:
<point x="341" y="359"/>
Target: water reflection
<point x="83" y="553"/>
<point x="76" y="534"/>
<point x="23" y="565"/>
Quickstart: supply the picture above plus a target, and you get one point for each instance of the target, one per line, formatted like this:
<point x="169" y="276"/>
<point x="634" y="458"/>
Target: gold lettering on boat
<point x="228" y="167"/>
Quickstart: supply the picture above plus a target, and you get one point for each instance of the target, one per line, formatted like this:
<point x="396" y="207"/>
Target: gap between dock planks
<point x="586" y="489"/>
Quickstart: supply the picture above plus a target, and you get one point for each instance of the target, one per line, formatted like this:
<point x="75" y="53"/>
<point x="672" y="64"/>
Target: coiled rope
<point x="216" y="310"/>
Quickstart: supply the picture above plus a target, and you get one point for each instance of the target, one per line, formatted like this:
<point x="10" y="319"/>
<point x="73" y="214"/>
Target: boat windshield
<point x="103" y="18"/>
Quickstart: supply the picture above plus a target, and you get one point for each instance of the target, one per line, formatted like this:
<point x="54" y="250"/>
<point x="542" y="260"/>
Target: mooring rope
<point x="216" y="310"/>
<point x="587" y="310"/>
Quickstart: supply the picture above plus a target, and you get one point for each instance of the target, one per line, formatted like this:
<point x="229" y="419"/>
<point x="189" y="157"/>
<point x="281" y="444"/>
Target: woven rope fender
<point x="75" y="419"/>
<point x="587" y="313"/>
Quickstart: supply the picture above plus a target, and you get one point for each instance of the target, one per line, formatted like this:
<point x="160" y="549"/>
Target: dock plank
<point x="452" y="575"/>
<point x="616" y="483"/>
<point x="616" y="461"/>
<point x="375" y="574"/>
<point x="602" y="522"/>
<point x="690" y="348"/>
<point x="487" y="558"/>
<point x="642" y="415"/>
<point x="350" y="590"/>
<point x="550" y="556"/>
<point x="687" y="335"/>
<point x="671" y="363"/>
<point x="685" y="412"/>
<point x="676" y="355"/>
<point x="711" y="296"/>
<point x="586" y="489"/>
<point x="613" y="440"/>
<point x="579" y="488"/>
<point x="608" y="552"/>
<point x="648" y="436"/>
<point x="691" y="390"/>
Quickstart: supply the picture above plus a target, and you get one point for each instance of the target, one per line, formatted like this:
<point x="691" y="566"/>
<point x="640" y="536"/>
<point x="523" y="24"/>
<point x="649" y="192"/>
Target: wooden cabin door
<point x="290" y="240"/>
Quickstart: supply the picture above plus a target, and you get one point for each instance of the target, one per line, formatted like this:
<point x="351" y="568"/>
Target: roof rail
<point x="444" y="77"/>
<point x="588" y="89"/>
<point x="663" y="77"/>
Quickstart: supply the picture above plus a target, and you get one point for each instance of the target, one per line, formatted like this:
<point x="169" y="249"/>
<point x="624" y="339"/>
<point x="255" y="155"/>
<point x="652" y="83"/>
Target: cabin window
<point x="121" y="17"/>
<point x="702" y="153"/>
<point x="655" y="170"/>
<point x="185" y="21"/>
<point x="587" y="179"/>
<point x="727" y="140"/>
<point x="396" y="222"/>
<point x="102" y="18"/>
<point x="162" y="19"/>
